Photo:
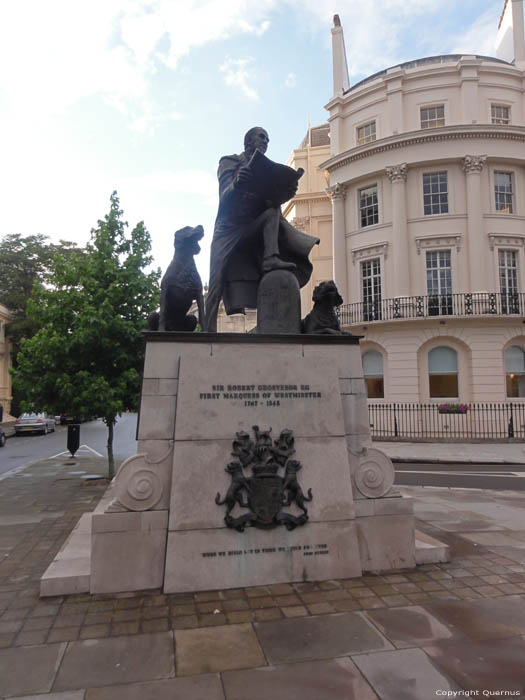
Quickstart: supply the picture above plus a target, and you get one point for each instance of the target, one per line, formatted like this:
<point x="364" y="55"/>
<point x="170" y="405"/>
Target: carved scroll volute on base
<point x="374" y="475"/>
<point x="138" y="483"/>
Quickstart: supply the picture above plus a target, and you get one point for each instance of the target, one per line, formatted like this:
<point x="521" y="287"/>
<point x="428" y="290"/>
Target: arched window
<point x="515" y="371"/>
<point x="443" y="373"/>
<point x="373" y="373"/>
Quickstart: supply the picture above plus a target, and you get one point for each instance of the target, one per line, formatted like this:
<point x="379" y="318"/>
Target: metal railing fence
<point x="482" y="421"/>
<point x="474" y="304"/>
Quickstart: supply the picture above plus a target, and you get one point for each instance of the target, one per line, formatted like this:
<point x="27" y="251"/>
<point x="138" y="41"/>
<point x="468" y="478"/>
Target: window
<point x="439" y="283"/>
<point x="508" y="281"/>
<point x="515" y="371"/>
<point x="371" y="287"/>
<point x="500" y="114"/>
<point x="503" y="192"/>
<point x="443" y="373"/>
<point x="368" y="206"/>
<point x="366" y="133"/>
<point x="432" y="117"/>
<point x="373" y="372"/>
<point x="435" y="193"/>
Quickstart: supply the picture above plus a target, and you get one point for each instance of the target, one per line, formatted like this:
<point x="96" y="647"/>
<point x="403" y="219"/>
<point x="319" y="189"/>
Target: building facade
<point x="427" y="185"/>
<point x="5" y="362"/>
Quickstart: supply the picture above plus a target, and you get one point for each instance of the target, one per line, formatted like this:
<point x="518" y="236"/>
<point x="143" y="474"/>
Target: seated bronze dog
<point x="323" y="318"/>
<point x="181" y="286"/>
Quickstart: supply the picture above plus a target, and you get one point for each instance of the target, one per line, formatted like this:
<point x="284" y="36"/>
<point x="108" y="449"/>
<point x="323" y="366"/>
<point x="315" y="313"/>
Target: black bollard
<point x="73" y="437"/>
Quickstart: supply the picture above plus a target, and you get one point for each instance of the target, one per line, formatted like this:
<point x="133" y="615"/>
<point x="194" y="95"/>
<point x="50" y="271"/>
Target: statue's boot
<point x="274" y="262"/>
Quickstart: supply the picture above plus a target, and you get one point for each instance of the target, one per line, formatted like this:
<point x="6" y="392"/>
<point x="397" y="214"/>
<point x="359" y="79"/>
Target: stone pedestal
<point x="165" y="524"/>
<point x="279" y="303"/>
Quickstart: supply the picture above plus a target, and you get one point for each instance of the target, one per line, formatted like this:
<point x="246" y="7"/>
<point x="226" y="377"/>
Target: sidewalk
<point x="408" y="635"/>
<point x="482" y="452"/>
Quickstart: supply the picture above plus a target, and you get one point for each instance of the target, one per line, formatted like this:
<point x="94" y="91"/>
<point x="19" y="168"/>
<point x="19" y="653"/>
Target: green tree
<point x="87" y="356"/>
<point x="24" y="262"/>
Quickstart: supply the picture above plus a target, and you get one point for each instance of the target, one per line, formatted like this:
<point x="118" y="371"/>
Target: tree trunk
<point x="111" y="461"/>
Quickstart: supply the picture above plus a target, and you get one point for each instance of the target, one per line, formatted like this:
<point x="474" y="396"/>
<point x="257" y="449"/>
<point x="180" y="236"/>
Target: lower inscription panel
<point x="200" y="560"/>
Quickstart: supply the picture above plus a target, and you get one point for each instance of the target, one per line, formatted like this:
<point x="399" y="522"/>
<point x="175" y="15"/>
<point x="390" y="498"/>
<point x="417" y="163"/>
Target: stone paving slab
<point x="496" y="618"/>
<point x="205" y="687"/>
<point x="488" y="665"/>
<point x="217" y="649"/>
<point x="66" y="695"/>
<point x="336" y="679"/>
<point x="411" y="627"/>
<point x="404" y="674"/>
<point x="99" y="662"/>
<point x="320" y="637"/>
<point x="29" y="669"/>
<point x="472" y="607"/>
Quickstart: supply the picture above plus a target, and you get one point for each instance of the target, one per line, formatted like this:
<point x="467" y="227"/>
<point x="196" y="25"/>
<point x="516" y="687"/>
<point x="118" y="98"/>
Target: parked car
<point x="34" y="423"/>
<point x="2" y="438"/>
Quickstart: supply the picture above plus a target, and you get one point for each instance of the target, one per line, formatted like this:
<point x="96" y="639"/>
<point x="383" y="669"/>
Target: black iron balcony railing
<point x="473" y="304"/>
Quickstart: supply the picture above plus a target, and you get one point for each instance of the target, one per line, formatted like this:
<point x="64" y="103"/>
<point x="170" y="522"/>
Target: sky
<point x="144" y="96"/>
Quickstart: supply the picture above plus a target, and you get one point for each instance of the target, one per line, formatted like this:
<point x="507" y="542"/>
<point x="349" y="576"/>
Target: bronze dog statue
<point x="181" y="286"/>
<point x="323" y="318"/>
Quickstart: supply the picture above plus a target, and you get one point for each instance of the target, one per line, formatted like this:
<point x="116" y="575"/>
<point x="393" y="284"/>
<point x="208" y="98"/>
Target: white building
<point x="427" y="179"/>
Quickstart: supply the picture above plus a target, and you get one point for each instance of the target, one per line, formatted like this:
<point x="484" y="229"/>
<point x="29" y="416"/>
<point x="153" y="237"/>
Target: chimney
<point x="340" y="67"/>
<point x="510" y="42"/>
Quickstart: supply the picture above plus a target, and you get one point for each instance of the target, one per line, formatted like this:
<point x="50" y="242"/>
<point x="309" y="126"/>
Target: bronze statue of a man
<point x="251" y="236"/>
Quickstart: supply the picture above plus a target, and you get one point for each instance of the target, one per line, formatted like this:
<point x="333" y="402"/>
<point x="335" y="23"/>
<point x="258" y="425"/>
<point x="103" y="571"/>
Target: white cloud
<point x="480" y="37"/>
<point x="239" y="73"/>
<point x="290" y="80"/>
<point x="193" y="182"/>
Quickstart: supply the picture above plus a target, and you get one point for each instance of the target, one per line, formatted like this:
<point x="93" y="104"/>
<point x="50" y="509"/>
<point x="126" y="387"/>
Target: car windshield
<point x="32" y="415"/>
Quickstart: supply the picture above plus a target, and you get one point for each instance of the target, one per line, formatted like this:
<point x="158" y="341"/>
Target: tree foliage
<point x="87" y="357"/>
<point x="24" y="262"/>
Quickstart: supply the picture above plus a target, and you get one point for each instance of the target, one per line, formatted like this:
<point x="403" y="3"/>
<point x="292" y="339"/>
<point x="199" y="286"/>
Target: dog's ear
<point x="338" y="299"/>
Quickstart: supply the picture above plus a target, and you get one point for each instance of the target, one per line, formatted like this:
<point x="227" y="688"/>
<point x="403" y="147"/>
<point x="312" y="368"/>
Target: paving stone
<point x="29" y="669"/>
<point x="483" y="666"/>
<point x="242" y="616"/>
<point x="205" y="687"/>
<point x="98" y="662"/>
<point x="409" y="627"/>
<point x="336" y="679"/>
<point x="26" y="639"/>
<point x="494" y="618"/>
<point x="218" y="649"/>
<point x="96" y="631"/>
<point x="404" y="674"/>
<point x="66" y="695"/>
<point x="318" y="637"/>
<point x="294" y="611"/>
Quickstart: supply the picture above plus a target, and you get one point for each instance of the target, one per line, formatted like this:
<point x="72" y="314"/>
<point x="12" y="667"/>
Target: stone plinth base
<point x="174" y="503"/>
<point x="128" y="551"/>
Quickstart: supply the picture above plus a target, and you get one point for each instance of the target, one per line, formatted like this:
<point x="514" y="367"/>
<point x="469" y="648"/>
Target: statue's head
<point x="256" y="138"/>
<point x="188" y="238"/>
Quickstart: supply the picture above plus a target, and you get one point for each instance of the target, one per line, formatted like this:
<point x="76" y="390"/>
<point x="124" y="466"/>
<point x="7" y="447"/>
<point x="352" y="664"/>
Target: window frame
<point x="367" y="139"/>
<point x="500" y="120"/>
<point x="512" y="193"/>
<point x="429" y="124"/>
<point x="443" y="374"/>
<point x="375" y="301"/>
<point x="511" y="375"/>
<point x="374" y="376"/>
<point x="439" y="193"/>
<point x="360" y="208"/>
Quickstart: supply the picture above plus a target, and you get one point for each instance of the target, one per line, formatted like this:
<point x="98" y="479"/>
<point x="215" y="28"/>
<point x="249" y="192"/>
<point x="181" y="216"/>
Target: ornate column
<point x="476" y="278"/>
<point x="340" y="269"/>
<point x="400" y="282"/>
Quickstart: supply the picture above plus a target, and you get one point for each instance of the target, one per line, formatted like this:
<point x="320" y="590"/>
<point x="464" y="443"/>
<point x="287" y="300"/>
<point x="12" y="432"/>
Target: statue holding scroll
<point x="251" y="236"/>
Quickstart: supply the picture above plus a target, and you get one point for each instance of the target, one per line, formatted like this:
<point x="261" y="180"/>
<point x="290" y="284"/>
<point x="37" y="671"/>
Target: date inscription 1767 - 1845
<point x="266" y="492"/>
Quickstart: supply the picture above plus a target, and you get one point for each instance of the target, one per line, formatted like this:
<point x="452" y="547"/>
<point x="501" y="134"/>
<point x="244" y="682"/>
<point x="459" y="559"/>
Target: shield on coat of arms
<point x="266" y="497"/>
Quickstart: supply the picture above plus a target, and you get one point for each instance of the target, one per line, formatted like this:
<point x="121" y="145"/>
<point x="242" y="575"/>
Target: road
<point x="471" y="476"/>
<point x="30" y="448"/>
